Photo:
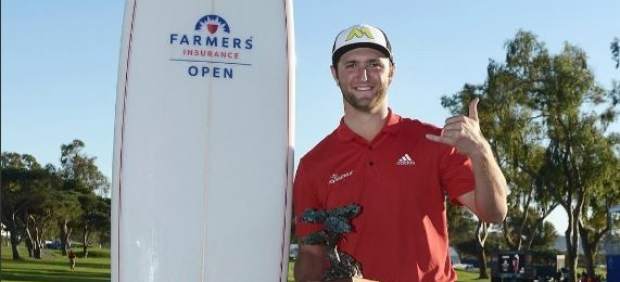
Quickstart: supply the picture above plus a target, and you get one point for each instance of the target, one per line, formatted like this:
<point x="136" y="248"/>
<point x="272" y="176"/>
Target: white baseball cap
<point x="361" y="35"/>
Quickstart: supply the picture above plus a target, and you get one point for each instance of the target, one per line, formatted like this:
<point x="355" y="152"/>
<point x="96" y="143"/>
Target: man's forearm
<point x="490" y="191"/>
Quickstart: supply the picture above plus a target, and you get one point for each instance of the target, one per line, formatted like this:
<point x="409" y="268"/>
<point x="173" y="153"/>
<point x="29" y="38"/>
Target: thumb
<point x="473" y="109"/>
<point x="435" y="138"/>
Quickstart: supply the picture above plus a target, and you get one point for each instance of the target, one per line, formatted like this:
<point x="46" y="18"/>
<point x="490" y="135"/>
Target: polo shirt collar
<point x="391" y="126"/>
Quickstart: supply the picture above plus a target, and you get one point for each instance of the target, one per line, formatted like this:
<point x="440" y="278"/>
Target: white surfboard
<point x="203" y="141"/>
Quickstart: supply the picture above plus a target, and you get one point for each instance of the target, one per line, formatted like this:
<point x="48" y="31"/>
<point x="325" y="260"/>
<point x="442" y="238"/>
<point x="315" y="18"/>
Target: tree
<point x="482" y="233"/>
<point x="81" y="177"/>
<point x="594" y="222"/>
<point x="461" y="224"/>
<point x="95" y="218"/>
<point x="514" y="139"/>
<point x="532" y="107"/>
<point x="571" y="158"/>
<point x="557" y="87"/>
<point x="535" y="234"/>
<point x="79" y="171"/>
<point x="19" y="176"/>
<point x="66" y="210"/>
<point x="38" y="214"/>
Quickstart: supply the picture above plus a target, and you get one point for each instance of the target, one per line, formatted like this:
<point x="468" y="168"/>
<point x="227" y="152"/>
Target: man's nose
<point x="364" y="75"/>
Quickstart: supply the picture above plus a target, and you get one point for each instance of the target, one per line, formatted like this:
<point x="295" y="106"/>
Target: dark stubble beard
<point x="361" y="104"/>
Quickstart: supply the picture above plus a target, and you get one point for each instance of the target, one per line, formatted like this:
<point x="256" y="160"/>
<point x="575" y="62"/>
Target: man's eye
<point x="349" y="65"/>
<point x="375" y="65"/>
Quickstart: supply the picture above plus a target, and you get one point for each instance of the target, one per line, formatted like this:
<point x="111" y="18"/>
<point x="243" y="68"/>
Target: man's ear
<point x="334" y="74"/>
<point x="392" y="71"/>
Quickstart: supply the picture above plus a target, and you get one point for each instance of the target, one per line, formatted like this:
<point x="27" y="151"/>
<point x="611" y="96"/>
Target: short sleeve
<point x="456" y="174"/>
<point x="304" y="197"/>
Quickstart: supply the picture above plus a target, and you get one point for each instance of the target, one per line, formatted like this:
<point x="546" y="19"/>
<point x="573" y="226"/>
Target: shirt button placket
<point x="370" y="161"/>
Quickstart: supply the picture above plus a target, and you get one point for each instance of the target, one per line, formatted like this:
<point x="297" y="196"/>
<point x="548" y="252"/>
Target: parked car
<point x="53" y="244"/>
<point x="462" y="266"/>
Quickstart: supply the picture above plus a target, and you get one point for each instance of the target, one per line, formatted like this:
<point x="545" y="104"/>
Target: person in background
<point x="72" y="259"/>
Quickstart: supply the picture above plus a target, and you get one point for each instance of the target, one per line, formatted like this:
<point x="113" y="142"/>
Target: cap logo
<point x="359" y="32"/>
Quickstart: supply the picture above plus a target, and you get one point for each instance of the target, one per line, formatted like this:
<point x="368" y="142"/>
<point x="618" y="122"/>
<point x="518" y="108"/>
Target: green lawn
<point x="55" y="268"/>
<point x="469" y="275"/>
<point x="462" y="274"/>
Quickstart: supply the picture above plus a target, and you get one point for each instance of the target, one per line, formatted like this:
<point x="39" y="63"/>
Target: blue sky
<point x="60" y="61"/>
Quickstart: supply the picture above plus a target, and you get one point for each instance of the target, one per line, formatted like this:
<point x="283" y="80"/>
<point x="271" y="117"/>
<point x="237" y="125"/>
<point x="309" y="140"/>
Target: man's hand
<point x="310" y="264"/>
<point x="488" y="200"/>
<point x="463" y="132"/>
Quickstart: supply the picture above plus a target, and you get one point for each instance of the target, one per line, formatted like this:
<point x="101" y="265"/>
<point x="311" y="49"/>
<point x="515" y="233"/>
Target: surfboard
<point x="203" y="145"/>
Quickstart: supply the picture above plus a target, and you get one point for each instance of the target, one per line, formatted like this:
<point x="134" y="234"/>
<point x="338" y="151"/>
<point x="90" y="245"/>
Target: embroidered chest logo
<point x="335" y="177"/>
<point x="405" y="160"/>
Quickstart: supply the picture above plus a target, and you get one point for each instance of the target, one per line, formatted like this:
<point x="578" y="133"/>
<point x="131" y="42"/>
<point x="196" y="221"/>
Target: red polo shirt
<point x="401" y="180"/>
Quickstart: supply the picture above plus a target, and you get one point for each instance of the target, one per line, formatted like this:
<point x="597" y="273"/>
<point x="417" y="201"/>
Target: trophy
<point x="336" y="222"/>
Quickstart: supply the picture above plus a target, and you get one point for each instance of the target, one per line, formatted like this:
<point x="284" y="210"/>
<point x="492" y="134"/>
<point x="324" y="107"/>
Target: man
<point x="398" y="170"/>
<point x="72" y="258"/>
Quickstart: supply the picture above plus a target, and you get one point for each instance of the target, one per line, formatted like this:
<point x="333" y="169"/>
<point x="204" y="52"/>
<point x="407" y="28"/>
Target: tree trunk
<point x="65" y="232"/>
<point x="588" y="252"/>
<point x="14" y="243"/>
<point x="29" y="240"/>
<point x="37" y="242"/>
<point x="85" y="241"/>
<point x="37" y="251"/>
<point x="571" y="249"/>
<point x="41" y="231"/>
<point x="482" y="258"/>
<point x="15" y="239"/>
<point x="590" y="239"/>
<point x="481" y="237"/>
<point x="29" y="247"/>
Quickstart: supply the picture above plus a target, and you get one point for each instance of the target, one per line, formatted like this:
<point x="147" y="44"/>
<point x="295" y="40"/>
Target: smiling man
<point x="400" y="171"/>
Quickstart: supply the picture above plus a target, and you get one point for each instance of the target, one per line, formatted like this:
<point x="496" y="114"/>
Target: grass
<point x="54" y="267"/>
<point x="463" y="275"/>
<point x="469" y="275"/>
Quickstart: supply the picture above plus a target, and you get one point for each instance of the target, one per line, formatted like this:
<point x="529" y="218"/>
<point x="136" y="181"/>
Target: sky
<point x="59" y="62"/>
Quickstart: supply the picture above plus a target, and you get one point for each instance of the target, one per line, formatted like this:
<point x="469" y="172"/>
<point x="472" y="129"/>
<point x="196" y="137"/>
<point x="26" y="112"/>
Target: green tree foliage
<point x="81" y="178"/>
<point x="38" y="200"/>
<point x="573" y="157"/>
<point x="594" y="223"/>
<point x="537" y="110"/>
<point x="79" y="170"/>
<point x="95" y="218"/>
<point x="534" y="232"/>
<point x="461" y="225"/>
<point x="25" y="195"/>
<point x="38" y="216"/>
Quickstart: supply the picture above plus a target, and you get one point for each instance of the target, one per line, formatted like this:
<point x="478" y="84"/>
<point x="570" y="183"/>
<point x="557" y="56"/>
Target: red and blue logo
<point x="212" y="23"/>
<point x="211" y="50"/>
